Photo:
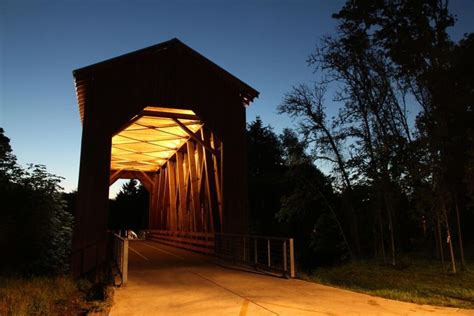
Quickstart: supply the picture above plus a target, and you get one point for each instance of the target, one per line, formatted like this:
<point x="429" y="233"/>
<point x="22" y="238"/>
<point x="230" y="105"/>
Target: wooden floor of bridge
<point x="168" y="281"/>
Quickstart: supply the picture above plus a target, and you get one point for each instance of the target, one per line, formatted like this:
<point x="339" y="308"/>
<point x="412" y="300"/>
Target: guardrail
<point x="120" y="256"/>
<point x="199" y="242"/>
<point x="271" y="254"/>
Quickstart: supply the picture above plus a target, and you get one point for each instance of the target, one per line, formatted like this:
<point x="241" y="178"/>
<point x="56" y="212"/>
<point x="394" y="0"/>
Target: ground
<point x="413" y="280"/>
<point x="53" y="295"/>
<point x="169" y="281"/>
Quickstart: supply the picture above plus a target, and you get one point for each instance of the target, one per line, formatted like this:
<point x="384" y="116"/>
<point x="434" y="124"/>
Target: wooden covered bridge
<point x="173" y="119"/>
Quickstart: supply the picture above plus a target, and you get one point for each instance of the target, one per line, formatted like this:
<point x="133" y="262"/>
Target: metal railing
<point x="195" y="241"/>
<point x="270" y="254"/>
<point x="120" y="256"/>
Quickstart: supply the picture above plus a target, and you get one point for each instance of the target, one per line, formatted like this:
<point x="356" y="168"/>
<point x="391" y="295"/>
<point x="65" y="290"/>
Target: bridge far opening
<point x="128" y="206"/>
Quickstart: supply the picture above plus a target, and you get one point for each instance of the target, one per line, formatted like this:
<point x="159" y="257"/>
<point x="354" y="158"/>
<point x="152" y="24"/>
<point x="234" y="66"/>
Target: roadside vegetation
<point x="415" y="280"/>
<point x="36" y="225"/>
<point x="57" y="295"/>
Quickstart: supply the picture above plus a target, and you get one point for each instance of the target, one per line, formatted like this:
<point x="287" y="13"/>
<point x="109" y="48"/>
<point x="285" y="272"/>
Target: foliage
<point x="266" y="181"/>
<point x="289" y="195"/>
<point x="401" y="184"/>
<point x="35" y="229"/>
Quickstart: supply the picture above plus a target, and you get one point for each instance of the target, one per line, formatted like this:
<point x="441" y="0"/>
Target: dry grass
<point x="50" y="296"/>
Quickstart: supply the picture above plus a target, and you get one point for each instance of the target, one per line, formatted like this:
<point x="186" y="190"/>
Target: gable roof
<point x="82" y="76"/>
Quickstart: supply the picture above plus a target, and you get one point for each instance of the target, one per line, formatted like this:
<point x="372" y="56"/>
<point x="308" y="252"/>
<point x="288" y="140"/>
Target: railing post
<point x="292" y="259"/>
<point x="285" y="264"/>
<point x="268" y="250"/>
<point x="255" y="249"/>
<point x="125" y="262"/>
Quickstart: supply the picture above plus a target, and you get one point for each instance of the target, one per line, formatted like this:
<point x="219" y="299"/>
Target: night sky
<point x="264" y="43"/>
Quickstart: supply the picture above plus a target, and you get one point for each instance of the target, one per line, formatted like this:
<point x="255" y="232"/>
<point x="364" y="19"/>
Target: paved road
<point x="169" y="281"/>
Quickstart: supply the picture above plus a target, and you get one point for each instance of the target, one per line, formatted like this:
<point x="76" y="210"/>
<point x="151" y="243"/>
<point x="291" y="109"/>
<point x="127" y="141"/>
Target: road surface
<point x="167" y="281"/>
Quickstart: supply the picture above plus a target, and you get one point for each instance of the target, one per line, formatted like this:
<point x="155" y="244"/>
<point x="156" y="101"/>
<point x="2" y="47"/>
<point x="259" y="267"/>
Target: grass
<point x="417" y="281"/>
<point x="53" y="296"/>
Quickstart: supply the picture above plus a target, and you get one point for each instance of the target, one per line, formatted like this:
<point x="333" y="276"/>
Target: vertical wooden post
<point x="172" y="195"/>
<point x="125" y="261"/>
<point x="255" y="250"/>
<point x="268" y="253"/>
<point x="165" y="200"/>
<point x="153" y="203"/>
<point x="217" y="185"/>
<point x="285" y="264"/>
<point x="221" y="177"/>
<point x="181" y="191"/>
<point x="195" y="205"/>
<point x="245" y="248"/>
<point x="188" y="207"/>
<point x="292" y="259"/>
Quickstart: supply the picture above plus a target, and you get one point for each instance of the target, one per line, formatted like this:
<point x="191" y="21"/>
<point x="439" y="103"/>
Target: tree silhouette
<point x="35" y="228"/>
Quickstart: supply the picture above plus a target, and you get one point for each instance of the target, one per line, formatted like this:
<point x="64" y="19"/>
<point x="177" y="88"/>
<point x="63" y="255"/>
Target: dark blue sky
<point x="263" y="42"/>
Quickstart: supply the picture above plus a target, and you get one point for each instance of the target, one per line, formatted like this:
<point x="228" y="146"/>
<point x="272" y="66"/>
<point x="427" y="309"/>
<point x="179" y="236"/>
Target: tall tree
<point x="411" y="37"/>
<point x="266" y="177"/>
<point x="305" y="104"/>
<point x="384" y="54"/>
<point x="308" y="208"/>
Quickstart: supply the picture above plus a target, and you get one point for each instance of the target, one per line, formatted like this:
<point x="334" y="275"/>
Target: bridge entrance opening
<point x="177" y="160"/>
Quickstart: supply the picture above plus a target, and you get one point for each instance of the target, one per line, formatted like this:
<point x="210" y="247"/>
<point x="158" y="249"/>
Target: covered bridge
<point x="173" y="119"/>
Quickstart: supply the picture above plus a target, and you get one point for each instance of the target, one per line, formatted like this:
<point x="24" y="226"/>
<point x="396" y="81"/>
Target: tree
<point x="372" y="118"/>
<point x="35" y="229"/>
<point x="306" y="105"/>
<point x="266" y="177"/>
<point x="129" y="210"/>
<point x="413" y="35"/>
<point x="385" y="57"/>
<point x="308" y="208"/>
<point x="9" y="169"/>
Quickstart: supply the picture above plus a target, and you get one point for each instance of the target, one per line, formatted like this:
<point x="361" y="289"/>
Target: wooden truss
<point x="186" y="189"/>
<point x="186" y="193"/>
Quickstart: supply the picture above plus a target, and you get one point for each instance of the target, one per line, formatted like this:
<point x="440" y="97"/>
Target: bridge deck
<point x="169" y="281"/>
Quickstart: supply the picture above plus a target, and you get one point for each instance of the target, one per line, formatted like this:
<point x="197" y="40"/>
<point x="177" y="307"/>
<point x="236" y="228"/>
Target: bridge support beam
<point x="186" y="192"/>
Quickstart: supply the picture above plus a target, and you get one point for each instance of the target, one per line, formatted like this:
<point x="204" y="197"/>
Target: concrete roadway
<point x="168" y="281"/>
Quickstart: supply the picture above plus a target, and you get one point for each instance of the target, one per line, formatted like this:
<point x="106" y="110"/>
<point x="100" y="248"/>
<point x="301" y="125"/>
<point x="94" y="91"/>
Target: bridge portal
<point x="173" y="119"/>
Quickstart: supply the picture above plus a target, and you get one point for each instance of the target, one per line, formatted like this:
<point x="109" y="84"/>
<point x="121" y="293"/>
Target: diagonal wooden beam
<point x="194" y="180"/>
<point x="147" y="177"/>
<point x="196" y="137"/>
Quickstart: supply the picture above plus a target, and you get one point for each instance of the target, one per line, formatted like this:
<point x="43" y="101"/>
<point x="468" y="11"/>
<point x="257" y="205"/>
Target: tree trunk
<point x="440" y="238"/>
<point x="461" y="248"/>
<point x="347" y="195"/>
<point x="382" y="241"/>
<point x="448" y="232"/>
<point x="335" y="218"/>
<point x="392" y="238"/>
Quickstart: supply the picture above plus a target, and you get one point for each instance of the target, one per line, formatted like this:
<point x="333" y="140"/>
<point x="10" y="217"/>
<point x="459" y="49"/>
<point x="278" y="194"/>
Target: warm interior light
<point x="152" y="138"/>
